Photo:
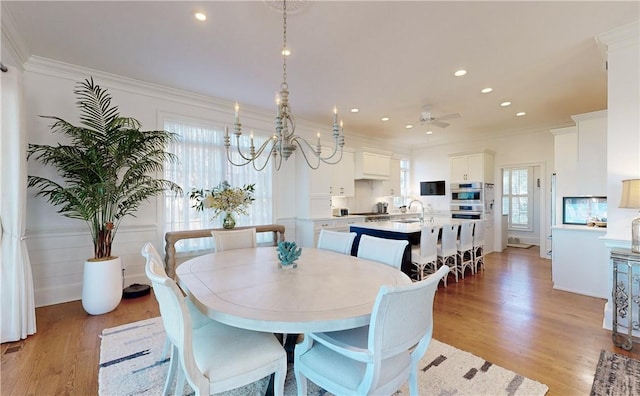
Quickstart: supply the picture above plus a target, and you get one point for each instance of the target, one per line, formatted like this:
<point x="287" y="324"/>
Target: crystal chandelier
<point x="285" y="142"/>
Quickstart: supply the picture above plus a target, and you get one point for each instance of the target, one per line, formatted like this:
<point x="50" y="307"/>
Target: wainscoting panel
<point x="57" y="258"/>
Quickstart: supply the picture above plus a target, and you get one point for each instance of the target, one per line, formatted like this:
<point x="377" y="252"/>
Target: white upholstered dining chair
<point x="447" y="251"/>
<point x="464" y="246"/>
<point x="336" y="241"/>
<point x="197" y="318"/>
<point x="382" y="250"/>
<point x="214" y="357"/>
<point x="234" y="239"/>
<point x="424" y="257"/>
<point x="375" y="359"/>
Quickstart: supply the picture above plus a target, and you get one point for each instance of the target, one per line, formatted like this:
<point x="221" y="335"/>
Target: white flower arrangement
<point x="224" y="198"/>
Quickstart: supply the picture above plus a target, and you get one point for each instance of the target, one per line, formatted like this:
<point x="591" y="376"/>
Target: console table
<point x="626" y="296"/>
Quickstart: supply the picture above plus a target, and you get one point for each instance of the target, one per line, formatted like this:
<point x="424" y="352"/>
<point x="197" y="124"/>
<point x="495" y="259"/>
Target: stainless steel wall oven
<point x="467" y="200"/>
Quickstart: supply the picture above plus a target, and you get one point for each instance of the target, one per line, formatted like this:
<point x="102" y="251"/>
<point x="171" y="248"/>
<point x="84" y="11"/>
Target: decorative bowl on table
<point x="288" y="253"/>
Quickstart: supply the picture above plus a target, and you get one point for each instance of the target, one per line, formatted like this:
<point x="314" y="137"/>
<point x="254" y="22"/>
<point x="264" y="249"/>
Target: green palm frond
<point x="107" y="170"/>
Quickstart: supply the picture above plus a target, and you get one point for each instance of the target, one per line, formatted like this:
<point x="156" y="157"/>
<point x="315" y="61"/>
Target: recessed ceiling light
<point x="520" y="114"/>
<point x="460" y="73"/>
<point x="505" y="104"/>
<point x="200" y="16"/>
<point x="384" y="119"/>
<point x="408" y="126"/>
<point x="429" y="132"/>
<point x="354" y="110"/>
<point x="487" y="90"/>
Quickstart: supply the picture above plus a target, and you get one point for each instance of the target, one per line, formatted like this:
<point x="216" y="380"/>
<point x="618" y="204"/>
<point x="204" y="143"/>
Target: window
<point x="203" y="164"/>
<point x="404" y="184"/>
<point x="516" y="197"/>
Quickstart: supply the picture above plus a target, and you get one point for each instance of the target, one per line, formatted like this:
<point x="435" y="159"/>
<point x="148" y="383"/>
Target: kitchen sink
<point x="407" y="221"/>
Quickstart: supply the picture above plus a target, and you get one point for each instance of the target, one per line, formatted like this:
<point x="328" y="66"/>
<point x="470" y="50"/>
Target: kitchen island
<point x="407" y="230"/>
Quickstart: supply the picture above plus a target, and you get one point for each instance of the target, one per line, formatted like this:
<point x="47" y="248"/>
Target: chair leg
<point x="173" y="367"/>
<point x="455" y="266"/>
<point x="439" y="263"/>
<point x="180" y="381"/>
<point x="413" y="383"/>
<point x="460" y="266"/>
<point x="279" y="378"/>
<point x="165" y="350"/>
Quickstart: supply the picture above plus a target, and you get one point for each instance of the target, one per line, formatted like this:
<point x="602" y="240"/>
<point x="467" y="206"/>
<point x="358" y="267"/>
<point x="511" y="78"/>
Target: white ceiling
<point x="384" y="57"/>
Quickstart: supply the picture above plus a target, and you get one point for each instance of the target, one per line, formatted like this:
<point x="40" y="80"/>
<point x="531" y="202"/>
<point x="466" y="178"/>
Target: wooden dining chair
<point x="382" y="250"/>
<point x="234" y="239"/>
<point x="464" y="247"/>
<point x="447" y="251"/>
<point x="215" y="357"/>
<point x="379" y="358"/>
<point x="424" y="257"/>
<point x="340" y="242"/>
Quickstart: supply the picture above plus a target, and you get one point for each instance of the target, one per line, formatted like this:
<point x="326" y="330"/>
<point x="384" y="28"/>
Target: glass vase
<point x="229" y="221"/>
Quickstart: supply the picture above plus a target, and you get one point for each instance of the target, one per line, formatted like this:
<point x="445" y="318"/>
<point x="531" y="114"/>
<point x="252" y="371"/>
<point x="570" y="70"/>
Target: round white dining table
<point x="247" y="288"/>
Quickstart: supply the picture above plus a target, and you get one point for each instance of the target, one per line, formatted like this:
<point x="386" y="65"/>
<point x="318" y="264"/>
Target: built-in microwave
<point x="466" y="193"/>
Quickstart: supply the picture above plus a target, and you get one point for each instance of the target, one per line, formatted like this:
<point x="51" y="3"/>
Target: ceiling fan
<point x="427" y="118"/>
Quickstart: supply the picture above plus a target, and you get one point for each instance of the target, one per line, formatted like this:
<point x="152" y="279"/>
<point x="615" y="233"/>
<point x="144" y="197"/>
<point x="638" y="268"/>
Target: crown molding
<point x="564" y="131"/>
<point x="589" y="116"/>
<point x="54" y="68"/>
<point x="620" y="38"/>
<point x="11" y="40"/>
<point x="50" y="67"/>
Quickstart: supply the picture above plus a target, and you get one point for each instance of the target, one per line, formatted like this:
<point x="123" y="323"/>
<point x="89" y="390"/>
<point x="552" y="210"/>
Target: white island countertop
<point x="395" y="226"/>
<point x="406" y="228"/>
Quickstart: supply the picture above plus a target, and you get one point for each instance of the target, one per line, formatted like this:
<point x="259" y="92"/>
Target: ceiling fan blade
<point x="448" y="117"/>
<point x="439" y="124"/>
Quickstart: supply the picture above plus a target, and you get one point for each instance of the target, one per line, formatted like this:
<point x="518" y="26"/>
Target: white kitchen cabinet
<point x="313" y="190"/>
<point x="476" y="167"/>
<point x="390" y="187"/>
<point x="308" y="230"/>
<point x="319" y="179"/>
<point x="372" y="166"/>
<point x="343" y="176"/>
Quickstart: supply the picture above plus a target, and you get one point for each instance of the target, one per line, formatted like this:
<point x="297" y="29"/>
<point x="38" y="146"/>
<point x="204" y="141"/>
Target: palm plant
<point x="106" y="169"/>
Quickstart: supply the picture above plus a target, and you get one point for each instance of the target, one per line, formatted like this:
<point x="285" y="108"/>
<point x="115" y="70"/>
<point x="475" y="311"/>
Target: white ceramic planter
<point x="101" y="286"/>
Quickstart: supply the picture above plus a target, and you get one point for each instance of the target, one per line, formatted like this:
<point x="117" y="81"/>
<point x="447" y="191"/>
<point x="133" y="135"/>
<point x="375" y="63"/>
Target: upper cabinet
<point x="372" y="166"/>
<point x="343" y="175"/>
<point x="476" y="167"/>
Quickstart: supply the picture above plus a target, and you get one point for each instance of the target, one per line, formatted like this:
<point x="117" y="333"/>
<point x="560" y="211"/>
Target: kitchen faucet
<point x="421" y="210"/>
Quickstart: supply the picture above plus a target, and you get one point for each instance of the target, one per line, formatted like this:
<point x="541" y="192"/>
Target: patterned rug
<point x="130" y="364"/>
<point x="616" y="375"/>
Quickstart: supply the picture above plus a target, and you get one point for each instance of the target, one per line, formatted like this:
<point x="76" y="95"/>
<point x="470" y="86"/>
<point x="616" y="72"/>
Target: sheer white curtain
<point x="18" y="307"/>
<point x="203" y="164"/>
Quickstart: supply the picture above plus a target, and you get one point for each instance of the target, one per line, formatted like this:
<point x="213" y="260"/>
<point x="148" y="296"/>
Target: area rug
<point x="520" y="245"/>
<point x="131" y="364"/>
<point x="616" y="375"/>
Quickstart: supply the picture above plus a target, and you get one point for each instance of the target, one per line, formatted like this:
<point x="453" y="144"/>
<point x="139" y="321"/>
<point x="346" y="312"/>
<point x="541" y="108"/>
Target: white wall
<point x="623" y="137"/>
<point x="534" y="148"/>
<point x="57" y="245"/>
<point x="623" y="124"/>
<point x="581" y="158"/>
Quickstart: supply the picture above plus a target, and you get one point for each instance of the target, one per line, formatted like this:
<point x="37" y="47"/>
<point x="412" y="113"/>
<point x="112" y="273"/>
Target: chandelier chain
<point x="285" y="50"/>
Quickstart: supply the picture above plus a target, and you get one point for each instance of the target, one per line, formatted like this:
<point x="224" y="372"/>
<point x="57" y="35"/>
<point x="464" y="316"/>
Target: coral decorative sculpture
<point x="288" y="253"/>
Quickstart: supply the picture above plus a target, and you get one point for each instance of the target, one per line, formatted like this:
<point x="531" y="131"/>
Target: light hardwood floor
<point x="508" y="314"/>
